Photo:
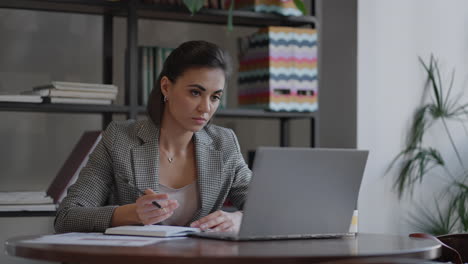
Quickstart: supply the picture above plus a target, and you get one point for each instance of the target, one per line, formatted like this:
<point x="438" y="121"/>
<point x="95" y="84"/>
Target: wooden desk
<point x="195" y="250"/>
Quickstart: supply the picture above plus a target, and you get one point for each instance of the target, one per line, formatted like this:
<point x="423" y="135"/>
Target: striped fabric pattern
<point x="278" y="70"/>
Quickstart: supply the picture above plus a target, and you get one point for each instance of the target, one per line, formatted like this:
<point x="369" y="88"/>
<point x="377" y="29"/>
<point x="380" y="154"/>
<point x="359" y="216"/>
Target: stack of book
<point x="26" y="201"/>
<point x="76" y="93"/>
<point x="151" y="61"/>
<point x="67" y="175"/>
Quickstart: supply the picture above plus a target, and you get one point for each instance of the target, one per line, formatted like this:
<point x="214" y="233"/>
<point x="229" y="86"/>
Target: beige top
<point x="189" y="203"/>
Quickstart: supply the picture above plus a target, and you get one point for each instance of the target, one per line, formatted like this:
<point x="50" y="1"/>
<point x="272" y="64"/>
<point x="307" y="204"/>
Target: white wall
<point x="391" y="36"/>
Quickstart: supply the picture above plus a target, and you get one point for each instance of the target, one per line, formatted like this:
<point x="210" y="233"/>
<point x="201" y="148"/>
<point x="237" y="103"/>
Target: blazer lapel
<point x="209" y="168"/>
<point x="145" y="158"/>
<point x="145" y="161"/>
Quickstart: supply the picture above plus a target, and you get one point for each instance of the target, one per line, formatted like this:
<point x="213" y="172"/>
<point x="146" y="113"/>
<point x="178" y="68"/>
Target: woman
<point x="186" y="165"/>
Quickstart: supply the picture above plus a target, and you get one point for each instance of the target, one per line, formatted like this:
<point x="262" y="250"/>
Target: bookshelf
<point x="134" y="10"/>
<point x="154" y="11"/>
<point x="27" y="214"/>
<point x="63" y="108"/>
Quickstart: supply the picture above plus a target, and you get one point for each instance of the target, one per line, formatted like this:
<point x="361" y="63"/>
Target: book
<point x="150" y="64"/>
<point x="142" y="81"/>
<point x="150" y="69"/>
<point x="26" y="201"/>
<point x="53" y="92"/>
<point x="95" y="87"/>
<point x="70" y="100"/>
<point x="214" y="4"/>
<point x="152" y="230"/>
<point x="70" y="170"/>
<point x="20" y="98"/>
<point x="28" y="207"/>
<point x="17" y="198"/>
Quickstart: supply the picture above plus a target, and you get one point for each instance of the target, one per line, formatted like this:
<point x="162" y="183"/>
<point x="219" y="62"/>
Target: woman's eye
<point x="216" y="98"/>
<point x="195" y="92"/>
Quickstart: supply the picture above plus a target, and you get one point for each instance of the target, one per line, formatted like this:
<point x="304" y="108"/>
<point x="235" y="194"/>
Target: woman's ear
<point x="165" y="85"/>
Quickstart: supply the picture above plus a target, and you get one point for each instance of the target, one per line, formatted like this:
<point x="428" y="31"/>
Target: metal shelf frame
<point x="134" y="10"/>
<point x="155" y="11"/>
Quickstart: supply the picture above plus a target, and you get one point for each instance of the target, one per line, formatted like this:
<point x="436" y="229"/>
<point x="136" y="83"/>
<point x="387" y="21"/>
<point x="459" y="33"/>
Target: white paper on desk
<point x="97" y="239"/>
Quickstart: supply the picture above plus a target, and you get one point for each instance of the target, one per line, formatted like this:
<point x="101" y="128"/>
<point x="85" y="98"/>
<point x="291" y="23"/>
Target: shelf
<point x="62" y="108"/>
<point x="162" y="12"/>
<point x="134" y="10"/>
<point x="26" y="213"/>
<point x="84" y="108"/>
<point x="253" y="113"/>
<point x="218" y="16"/>
<point x="96" y="7"/>
<point x="283" y="117"/>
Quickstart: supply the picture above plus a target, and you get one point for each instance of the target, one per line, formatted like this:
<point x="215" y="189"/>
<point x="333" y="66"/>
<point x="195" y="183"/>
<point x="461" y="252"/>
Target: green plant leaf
<point x="194" y="5"/>
<point x="440" y="222"/>
<point x="443" y="107"/>
<point x="418" y="127"/>
<point x="416" y="163"/>
<point x="452" y="142"/>
<point x="300" y="5"/>
<point x="462" y="186"/>
<point x="430" y="70"/>
<point x="460" y="202"/>
<point x="459" y="109"/>
<point x="452" y="78"/>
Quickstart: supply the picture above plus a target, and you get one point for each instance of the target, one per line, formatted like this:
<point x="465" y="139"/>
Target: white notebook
<point x="152" y="230"/>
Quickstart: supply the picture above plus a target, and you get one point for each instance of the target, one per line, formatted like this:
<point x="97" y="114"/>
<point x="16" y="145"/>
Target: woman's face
<point x="193" y="98"/>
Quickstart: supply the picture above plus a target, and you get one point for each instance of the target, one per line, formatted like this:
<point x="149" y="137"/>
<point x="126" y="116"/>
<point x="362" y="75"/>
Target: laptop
<point x="299" y="193"/>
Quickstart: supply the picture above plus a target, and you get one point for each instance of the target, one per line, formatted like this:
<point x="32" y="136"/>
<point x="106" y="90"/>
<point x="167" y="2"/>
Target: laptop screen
<point x="302" y="191"/>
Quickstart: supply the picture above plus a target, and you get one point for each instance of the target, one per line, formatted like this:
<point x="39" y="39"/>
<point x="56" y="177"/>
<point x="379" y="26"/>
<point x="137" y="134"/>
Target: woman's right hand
<point x="148" y="213"/>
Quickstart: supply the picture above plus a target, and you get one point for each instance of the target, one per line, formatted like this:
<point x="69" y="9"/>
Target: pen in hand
<point x="127" y="181"/>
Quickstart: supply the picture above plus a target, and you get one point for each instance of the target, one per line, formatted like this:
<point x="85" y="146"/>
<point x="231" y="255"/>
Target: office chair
<point x="381" y="260"/>
<point x="458" y="242"/>
<point x="454" y="246"/>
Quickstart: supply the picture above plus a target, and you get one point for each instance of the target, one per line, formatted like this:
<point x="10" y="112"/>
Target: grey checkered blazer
<point x="130" y="149"/>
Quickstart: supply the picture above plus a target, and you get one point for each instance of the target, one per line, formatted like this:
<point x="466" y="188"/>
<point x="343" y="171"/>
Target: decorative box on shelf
<point x="278" y="70"/>
<point x="281" y="7"/>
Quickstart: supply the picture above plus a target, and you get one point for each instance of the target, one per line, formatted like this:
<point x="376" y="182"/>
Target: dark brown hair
<point x="190" y="54"/>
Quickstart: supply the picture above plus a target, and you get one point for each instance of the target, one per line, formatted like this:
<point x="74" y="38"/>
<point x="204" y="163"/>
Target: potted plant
<point x="419" y="157"/>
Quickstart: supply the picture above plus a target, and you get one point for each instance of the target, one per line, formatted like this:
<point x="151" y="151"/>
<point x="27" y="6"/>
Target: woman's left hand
<point x="220" y="221"/>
